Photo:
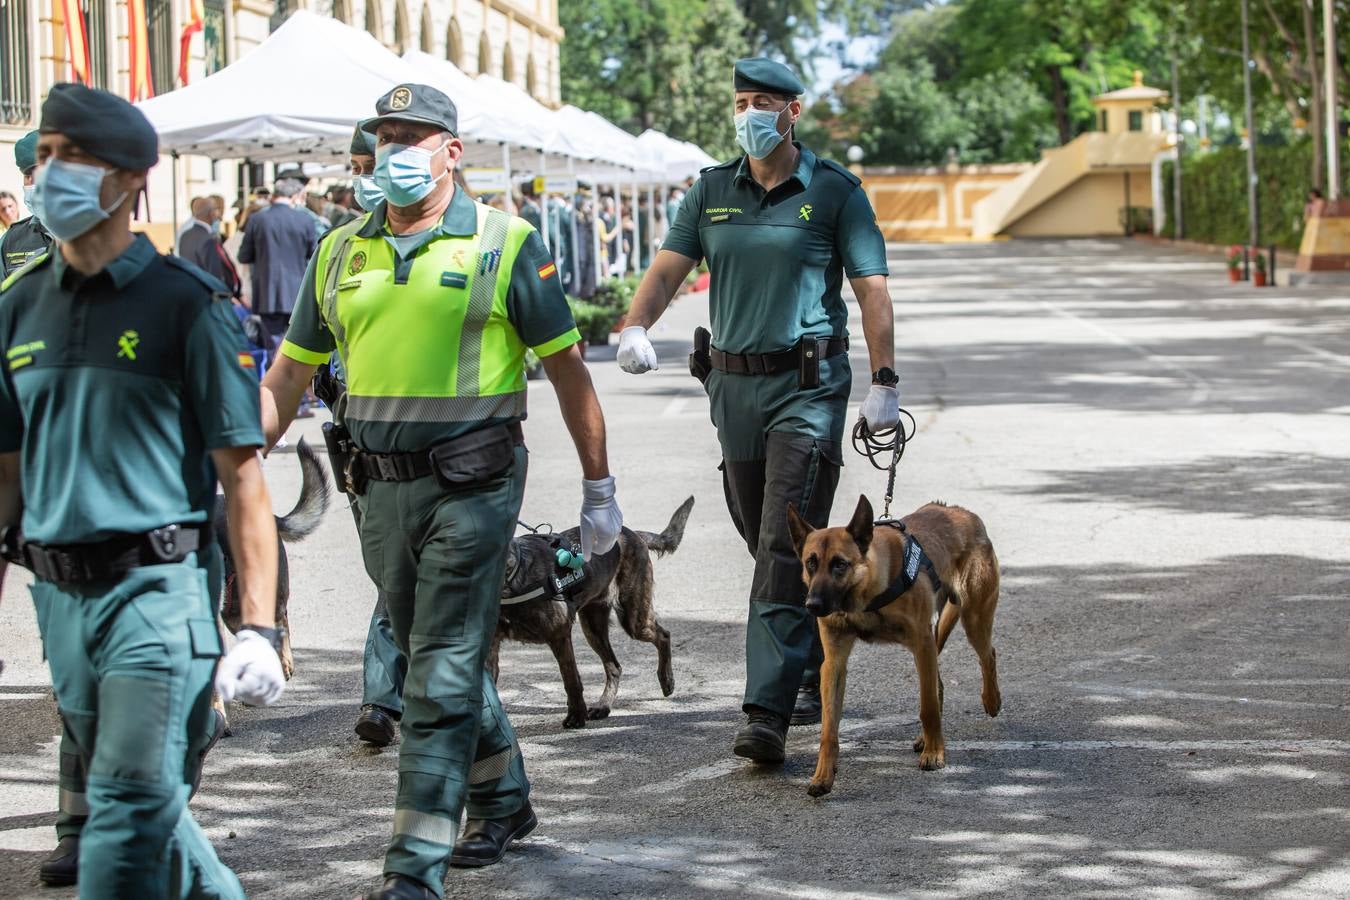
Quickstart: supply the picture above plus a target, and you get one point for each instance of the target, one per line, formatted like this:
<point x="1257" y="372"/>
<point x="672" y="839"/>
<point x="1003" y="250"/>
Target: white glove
<point x="251" y="672"/>
<point x="601" y="518"/>
<point x="881" y="409"/>
<point x="636" y="353"/>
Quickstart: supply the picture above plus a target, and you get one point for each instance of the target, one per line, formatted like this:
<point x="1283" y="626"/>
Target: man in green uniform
<point x="26" y="239"/>
<point x="124" y="394"/>
<point x="780" y="229"/>
<point x="431" y="301"/>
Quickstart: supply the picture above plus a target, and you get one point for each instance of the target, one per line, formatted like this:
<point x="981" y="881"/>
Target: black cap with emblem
<point x="101" y="124"/>
<point x="415" y="103"/>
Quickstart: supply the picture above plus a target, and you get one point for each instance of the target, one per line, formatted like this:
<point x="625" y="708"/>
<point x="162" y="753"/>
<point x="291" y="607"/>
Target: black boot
<point x="401" y="887"/>
<point x="762" y="738"/>
<point x="218" y="731"/>
<point x="807" y="710"/>
<point x="62" y="865"/>
<point x="376" y="725"/>
<point x="484" y="841"/>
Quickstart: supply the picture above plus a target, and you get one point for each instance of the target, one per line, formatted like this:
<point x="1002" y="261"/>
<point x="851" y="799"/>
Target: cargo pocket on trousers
<point x="205" y="638"/>
<point x="820" y="482"/>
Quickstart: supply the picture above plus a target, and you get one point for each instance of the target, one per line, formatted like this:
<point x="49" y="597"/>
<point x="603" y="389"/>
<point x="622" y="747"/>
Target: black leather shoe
<point x="484" y="841"/>
<point x="62" y="864"/>
<point x="807" y="710"/>
<point x="376" y="726"/>
<point x="762" y="737"/>
<point x="401" y="887"/>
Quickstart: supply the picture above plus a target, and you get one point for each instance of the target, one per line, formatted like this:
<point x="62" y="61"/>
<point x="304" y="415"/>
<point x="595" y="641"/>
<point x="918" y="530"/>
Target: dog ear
<point x="860" y="528"/>
<point x="799" y="527"/>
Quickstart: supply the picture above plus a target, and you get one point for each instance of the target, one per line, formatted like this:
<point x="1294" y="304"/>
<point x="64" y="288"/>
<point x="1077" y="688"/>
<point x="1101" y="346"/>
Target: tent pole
<point x="174" y="200"/>
<point x="651" y="219"/>
<point x="574" y="270"/>
<point x="637" y="229"/>
<point x="506" y="167"/>
<point x="595" y="232"/>
<point x="620" y="255"/>
<point x="543" y="202"/>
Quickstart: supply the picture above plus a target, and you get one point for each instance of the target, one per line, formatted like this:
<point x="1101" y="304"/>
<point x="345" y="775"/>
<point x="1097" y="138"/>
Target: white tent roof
<point x="673" y="160"/>
<point x="296" y="96"/>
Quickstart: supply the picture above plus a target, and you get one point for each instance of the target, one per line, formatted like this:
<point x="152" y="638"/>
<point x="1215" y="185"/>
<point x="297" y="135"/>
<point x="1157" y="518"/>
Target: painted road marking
<point x="1338" y="358"/>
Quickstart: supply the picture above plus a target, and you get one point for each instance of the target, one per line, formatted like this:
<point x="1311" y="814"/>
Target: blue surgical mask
<point x="757" y="131"/>
<point x="215" y="227"/>
<point x="368" y="193"/>
<point x="404" y="173"/>
<point x="66" y="201"/>
<point x="28" y="191"/>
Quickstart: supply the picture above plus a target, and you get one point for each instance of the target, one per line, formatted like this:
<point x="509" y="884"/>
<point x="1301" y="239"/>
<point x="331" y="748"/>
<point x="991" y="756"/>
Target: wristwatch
<point x="273" y="636"/>
<point x="886" y="377"/>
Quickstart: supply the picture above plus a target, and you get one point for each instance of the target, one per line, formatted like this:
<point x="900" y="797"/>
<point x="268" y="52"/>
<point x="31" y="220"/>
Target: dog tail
<point x="668" y="541"/>
<point x="301" y="521"/>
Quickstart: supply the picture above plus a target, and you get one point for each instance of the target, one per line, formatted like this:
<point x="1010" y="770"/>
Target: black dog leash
<point x="874" y="445"/>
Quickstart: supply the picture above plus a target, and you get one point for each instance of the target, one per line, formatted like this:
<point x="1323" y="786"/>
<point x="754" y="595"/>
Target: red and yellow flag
<point x="547" y="271"/>
<point x="247" y="361"/>
<point x="138" y="49"/>
<point x="77" y="39"/>
<point x="196" y="16"/>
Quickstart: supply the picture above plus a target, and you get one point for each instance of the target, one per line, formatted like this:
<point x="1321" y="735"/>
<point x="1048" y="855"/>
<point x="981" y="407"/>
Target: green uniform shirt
<point x="403" y="322"/>
<point x="778" y="259"/>
<point x="114" y="387"/>
<point x="24" y="240"/>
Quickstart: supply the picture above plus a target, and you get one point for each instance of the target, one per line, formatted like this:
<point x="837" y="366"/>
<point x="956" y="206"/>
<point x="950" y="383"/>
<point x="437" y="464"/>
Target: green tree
<point x="1008" y="119"/>
<point x="911" y="121"/>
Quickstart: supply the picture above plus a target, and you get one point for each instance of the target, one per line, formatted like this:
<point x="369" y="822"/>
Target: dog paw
<point x="575" y="720"/>
<point x="597" y="712"/>
<point x="667" y="684"/>
<point x="930" y="761"/>
<point x="993" y="703"/>
<point x="820" y="788"/>
<point x="918" y="744"/>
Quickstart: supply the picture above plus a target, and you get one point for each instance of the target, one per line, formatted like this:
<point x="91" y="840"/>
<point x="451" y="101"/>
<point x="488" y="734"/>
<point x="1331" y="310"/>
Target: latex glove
<point x="601" y="518"/>
<point x="881" y="409"/>
<point x="251" y="672"/>
<point x="636" y="353"/>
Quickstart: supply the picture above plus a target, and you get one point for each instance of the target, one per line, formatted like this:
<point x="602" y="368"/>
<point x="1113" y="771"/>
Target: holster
<point x="809" y="352"/>
<point x="339" y="443"/>
<point x="327" y="387"/>
<point x="700" y="360"/>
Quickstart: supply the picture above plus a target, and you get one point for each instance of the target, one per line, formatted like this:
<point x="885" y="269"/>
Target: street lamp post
<point x="1333" y="114"/>
<point x="1176" y="172"/>
<point x="1253" y="208"/>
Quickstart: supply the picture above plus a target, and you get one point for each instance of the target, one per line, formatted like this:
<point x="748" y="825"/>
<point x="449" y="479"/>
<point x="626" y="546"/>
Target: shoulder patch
<point x="840" y="170"/>
<point x="34" y="263"/>
<point x="209" y="281"/>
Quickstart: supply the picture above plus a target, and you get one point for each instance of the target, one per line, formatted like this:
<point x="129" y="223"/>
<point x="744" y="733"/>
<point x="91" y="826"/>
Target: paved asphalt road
<point x="1162" y="461"/>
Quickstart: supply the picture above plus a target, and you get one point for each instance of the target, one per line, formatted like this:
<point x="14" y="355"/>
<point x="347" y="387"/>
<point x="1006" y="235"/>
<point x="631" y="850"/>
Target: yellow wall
<point x="931" y="204"/>
<point x="1090" y="206"/>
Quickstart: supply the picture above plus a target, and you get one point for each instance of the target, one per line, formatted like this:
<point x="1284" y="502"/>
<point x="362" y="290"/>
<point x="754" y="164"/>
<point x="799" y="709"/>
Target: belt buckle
<point x="387" y="468"/>
<point x="165" y="540"/>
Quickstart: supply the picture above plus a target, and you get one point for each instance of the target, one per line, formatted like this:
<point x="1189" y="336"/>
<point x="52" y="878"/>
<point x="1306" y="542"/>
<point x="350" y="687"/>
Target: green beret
<point x="363" y="142"/>
<point x="415" y="103"/>
<point x="101" y="124"/>
<point x="25" y="152"/>
<point x="759" y="73"/>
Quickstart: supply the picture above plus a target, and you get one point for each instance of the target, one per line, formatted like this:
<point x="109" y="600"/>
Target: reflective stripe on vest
<point x="439" y="348"/>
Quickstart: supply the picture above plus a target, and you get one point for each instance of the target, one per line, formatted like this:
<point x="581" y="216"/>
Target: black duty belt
<point x="780" y="361"/>
<point x="106" y="560"/>
<point x="408" y="466"/>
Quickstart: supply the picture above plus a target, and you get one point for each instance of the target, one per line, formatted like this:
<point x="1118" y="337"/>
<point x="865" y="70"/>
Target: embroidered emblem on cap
<point x="401" y="99"/>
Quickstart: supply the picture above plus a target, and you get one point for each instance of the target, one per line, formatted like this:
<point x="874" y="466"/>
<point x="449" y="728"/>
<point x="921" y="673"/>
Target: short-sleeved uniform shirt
<point x="405" y="314"/>
<point x="778" y="259"/>
<point x="114" y="388"/>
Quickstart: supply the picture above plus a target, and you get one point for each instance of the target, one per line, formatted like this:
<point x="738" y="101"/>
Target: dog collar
<point x="915" y="559"/>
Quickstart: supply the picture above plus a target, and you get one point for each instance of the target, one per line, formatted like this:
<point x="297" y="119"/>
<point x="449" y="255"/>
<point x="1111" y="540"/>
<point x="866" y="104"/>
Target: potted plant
<point x="594" y="322"/>
<point x="1234" y="263"/>
<point x="1259" y="275"/>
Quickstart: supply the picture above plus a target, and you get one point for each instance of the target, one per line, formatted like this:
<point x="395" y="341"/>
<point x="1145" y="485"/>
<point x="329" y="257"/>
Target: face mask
<point x="368" y="193"/>
<point x="28" y="191"/>
<point x="215" y="227"/>
<point x="404" y="173"/>
<point x="757" y="131"/>
<point x="66" y="199"/>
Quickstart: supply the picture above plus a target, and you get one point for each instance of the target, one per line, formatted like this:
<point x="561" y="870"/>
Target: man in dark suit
<point x="200" y="245"/>
<point x="278" y="241"/>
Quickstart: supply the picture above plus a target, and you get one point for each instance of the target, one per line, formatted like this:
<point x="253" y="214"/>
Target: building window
<point x="508" y="65"/>
<point x="16" y="88"/>
<point x="95" y="15"/>
<point x="213" y="35"/>
<point x="281" y="11"/>
<point x="484" y="54"/>
<point x="401" y="41"/>
<point x="454" y="43"/>
<point x="342" y="11"/>
<point x="531" y="80"/>
<point x="1136" y="120"/>
<point x="1102" y="126"/>
<point x="427" y="41"/>
<point x="375" y="20"/>
<point x="159" y="25"/>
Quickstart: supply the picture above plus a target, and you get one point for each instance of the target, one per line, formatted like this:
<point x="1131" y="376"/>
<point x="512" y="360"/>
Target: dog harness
<point x="915" y="559"/>
<point x="566" y="580"/>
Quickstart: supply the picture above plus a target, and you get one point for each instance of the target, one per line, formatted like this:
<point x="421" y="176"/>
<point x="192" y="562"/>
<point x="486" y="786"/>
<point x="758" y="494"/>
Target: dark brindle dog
<point x="296" y="525"/>
<point x="848" y="569"/>
<point x="620" y="580"/>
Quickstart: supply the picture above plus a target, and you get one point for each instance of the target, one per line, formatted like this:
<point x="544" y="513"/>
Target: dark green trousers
<point x="132" y="665"/>
<point x="383" y="665"/>
<point x="780" y="445"/>
<point x="439" y="557"/>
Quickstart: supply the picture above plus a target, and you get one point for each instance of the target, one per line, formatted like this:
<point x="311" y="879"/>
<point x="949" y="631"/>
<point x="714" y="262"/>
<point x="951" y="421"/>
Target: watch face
<point x="886" y="377"/>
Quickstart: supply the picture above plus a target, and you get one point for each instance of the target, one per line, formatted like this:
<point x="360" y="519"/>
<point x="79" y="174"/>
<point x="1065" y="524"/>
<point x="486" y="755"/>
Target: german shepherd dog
<point x="296" y="525"/>
<point x="620" y="580"/>
<point x="846" y="568"/>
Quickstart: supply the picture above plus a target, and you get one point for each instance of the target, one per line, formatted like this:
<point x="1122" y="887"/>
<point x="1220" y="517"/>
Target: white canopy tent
<point x="674" y="160"/>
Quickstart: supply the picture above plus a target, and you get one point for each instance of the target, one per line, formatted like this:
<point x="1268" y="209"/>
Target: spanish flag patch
<point x="546" y="271"/>
<point x="246" y="360"/>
